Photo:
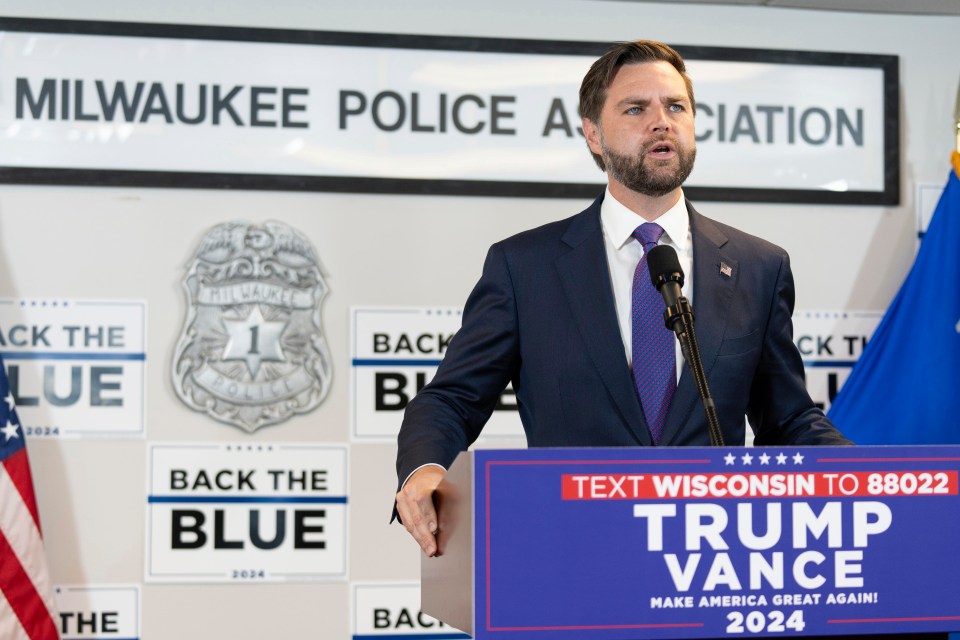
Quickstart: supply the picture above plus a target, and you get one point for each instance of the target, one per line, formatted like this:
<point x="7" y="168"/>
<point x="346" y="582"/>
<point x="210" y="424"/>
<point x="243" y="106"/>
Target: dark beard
<point x="631" y="172"/>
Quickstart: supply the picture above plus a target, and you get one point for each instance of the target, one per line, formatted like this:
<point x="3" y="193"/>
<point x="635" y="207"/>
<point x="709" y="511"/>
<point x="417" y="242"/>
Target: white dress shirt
<point x="624" y="252"/>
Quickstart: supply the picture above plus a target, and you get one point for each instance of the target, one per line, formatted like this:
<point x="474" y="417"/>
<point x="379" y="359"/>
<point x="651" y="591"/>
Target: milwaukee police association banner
<point x="706" y="543"/>
<point x="163" y="105"/>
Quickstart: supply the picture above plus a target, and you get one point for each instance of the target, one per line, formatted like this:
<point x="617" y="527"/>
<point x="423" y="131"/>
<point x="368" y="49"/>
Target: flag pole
<point x="955" y="155"/>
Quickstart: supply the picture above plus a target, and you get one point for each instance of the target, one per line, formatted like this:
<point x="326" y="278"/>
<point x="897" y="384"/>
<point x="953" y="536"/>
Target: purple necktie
<point x="654" y="358"/>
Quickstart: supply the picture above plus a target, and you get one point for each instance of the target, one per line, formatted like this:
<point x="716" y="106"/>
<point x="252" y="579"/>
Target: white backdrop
<point x="384" y="250"/>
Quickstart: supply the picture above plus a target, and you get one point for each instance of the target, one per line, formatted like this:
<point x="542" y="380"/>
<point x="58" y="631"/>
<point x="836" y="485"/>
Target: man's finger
<point x="419" y="518"/>
<point x="416" y="509"/>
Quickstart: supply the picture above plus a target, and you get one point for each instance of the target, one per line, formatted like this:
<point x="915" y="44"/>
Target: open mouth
<point x="661" y="149"/>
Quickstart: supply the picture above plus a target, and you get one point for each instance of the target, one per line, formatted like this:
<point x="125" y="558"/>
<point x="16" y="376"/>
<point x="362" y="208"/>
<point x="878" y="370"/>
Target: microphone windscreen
<point x="664" y="265"/>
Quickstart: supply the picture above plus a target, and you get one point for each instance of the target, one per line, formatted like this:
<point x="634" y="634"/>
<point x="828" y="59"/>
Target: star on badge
<point x="764" y="459"/>
<point x="781" y="459"/>
<point x="254" y="340"/>
<point x="747" y="458"/>
<point x="798" y="459"/>
<point x="729" y="458"/>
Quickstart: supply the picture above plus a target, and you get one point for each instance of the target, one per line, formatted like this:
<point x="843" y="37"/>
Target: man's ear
<point x="592" y="133"/>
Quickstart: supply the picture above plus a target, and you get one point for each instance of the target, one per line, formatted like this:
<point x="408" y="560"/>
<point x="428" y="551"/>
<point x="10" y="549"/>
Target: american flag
<point x="27" y="610"/>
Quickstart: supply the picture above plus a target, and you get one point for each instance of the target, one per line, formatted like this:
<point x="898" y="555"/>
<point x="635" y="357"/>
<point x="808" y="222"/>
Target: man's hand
<point x="415" y="506"/>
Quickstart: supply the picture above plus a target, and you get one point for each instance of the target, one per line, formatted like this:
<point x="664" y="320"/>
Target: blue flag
<point x="904" y="388"/>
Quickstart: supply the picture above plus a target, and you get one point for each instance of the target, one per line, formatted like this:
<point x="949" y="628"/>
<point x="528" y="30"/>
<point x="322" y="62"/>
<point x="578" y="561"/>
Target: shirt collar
<point x="619" y="222"/>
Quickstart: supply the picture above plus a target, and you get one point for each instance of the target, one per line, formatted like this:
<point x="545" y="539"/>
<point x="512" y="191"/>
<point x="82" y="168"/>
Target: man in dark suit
<point x="566" y="311"/>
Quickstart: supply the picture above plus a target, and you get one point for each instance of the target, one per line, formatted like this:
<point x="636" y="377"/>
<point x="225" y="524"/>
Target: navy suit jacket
<point x="543" y="316"/>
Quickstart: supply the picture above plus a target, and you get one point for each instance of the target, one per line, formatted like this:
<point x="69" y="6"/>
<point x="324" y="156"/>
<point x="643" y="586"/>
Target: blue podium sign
<point x="619" y="544"/>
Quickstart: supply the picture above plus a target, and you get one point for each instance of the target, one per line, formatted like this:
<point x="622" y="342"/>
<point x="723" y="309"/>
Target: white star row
<point x="764" y="459"/>
<point x="248" y="447"/>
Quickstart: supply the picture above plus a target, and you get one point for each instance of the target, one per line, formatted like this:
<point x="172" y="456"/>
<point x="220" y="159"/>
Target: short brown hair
<point x="593" y="89"/>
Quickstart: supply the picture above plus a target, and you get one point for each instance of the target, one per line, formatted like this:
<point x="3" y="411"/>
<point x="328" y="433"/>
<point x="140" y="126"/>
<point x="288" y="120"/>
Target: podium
<point x="630" y="544"/>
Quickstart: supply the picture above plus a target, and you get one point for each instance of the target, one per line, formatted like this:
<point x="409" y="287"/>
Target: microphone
<point x="666" y="274"/>
<point x="667" y="278"/>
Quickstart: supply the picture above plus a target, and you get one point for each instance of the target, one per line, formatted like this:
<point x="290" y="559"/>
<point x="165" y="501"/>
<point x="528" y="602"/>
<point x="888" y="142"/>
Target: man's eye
<point x="633" y="111"/>
<point x="676" y="107"/>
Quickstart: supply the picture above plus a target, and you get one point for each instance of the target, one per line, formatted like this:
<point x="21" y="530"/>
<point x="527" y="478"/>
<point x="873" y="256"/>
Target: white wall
<point x="134" y="243"/>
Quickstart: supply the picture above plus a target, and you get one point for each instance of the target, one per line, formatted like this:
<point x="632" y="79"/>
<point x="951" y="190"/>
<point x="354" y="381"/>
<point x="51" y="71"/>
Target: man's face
<point x="645" y="134"/>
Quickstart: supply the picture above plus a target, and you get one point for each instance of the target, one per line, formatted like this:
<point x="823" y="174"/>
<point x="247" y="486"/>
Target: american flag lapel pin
<point x="726" y="270"/>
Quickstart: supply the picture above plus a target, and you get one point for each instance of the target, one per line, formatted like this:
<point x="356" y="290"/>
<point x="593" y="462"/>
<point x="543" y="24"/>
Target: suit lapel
<point x="713" y="292"/>
<point x="586" y="282"/>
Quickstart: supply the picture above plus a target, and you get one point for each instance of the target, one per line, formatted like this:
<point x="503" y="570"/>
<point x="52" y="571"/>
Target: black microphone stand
<point x="667" y="276"/>
<point x="679" y="318"/>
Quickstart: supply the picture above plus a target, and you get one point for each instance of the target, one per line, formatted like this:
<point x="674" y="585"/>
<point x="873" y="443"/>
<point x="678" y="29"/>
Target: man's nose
<point x="659" y="121"/>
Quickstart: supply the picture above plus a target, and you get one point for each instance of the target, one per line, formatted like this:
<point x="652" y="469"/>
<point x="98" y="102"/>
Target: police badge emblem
<point x="252" y="352"/>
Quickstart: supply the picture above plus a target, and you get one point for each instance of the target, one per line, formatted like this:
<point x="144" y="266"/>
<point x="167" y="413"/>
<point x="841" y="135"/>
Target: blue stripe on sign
<point x="59" y="355"/>
<point x="829" y="363"/>
<point x="248" y="499"/>
<point x="367" y="362"/>
<point x="413" y="636"/>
